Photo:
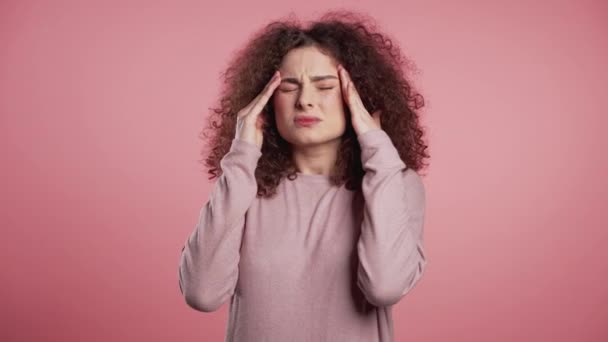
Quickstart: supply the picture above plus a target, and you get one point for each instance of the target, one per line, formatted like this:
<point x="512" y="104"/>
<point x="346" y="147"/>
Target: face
<point x="310" y="86"/>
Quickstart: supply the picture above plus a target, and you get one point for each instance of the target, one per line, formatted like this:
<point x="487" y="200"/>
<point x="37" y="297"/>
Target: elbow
<point x="196" y="297"/>
<point x="380" y="297"/>
<point x="202" y="303"/>
<point x="199" y="299"/>
<point x="391" y="289"/>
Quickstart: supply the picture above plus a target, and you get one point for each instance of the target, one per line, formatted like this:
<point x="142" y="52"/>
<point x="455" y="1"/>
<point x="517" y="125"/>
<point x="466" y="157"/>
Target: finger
<point x="258" y="103"/>
<point x="265" y="95"/>
<point x="352" y="90"/>
<point x="353" y="97"/>
<point x="343" y="82"/>
<point x="356" y="98"/>
<point x="252" y="104"/>
<point x="349" y="88"/>
<point x="352" y="93"/>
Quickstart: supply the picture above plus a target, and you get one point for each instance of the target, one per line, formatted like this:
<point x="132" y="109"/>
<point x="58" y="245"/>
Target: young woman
<point x="314" y="227"/>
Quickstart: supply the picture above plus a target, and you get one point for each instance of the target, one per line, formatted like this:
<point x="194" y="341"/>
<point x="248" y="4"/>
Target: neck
<point x="316" y="159"/>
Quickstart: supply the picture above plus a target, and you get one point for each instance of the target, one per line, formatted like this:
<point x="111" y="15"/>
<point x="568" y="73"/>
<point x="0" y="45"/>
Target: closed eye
<point x="290" y="90"/>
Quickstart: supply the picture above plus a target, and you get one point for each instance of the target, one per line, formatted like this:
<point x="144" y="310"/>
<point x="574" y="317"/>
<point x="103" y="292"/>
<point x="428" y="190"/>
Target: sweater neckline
<point x="313" y="177"/>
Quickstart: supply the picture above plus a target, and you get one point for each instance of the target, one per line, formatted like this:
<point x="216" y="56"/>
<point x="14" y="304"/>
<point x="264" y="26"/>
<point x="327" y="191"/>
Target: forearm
<point x="390" y="248"/>
<point x="208" y="269"/>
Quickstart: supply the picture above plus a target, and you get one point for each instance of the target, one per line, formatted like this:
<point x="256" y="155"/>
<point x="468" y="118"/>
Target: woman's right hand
<point x="249" y="122"/>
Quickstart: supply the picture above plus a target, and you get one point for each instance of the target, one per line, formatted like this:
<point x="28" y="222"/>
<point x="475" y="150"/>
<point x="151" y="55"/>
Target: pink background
<point x="102" y="101"/>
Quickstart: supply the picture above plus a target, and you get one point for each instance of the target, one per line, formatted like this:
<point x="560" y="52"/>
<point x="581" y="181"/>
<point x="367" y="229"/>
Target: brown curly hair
<point x="373" y="61"/>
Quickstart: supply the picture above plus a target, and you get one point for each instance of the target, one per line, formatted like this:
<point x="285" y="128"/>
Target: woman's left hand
<point x="361" y="119"/>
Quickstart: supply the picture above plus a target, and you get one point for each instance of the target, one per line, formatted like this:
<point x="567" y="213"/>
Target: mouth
<point x="306" y="122"/>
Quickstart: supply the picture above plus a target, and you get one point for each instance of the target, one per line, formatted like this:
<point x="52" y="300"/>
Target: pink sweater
<point x="316" y="262"/>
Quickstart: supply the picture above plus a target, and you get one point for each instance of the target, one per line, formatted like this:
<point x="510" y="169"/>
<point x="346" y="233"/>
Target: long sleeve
<point x="208" y="267"/>
<point x="390" y="247"/>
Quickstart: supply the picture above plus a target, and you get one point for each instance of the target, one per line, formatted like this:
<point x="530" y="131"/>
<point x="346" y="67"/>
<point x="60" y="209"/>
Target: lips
<point x="306" y="121"/>
<point x="306" y="118"/>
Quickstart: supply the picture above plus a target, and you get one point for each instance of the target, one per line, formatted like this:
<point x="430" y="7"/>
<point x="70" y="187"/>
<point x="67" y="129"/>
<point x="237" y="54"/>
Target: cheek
<point x="282" y="110"/>
<point x="333" y="102"/>
<point x="282" y="102"/>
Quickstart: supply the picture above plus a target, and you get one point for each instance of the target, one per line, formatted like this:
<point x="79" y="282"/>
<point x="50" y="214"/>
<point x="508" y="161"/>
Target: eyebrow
<point x="313" y="78"/>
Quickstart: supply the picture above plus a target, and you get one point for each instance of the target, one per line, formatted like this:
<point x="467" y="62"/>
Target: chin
<point x="312" y="140"/>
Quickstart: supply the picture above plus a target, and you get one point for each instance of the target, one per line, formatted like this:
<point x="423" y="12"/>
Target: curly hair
<point x="376" y="66"/>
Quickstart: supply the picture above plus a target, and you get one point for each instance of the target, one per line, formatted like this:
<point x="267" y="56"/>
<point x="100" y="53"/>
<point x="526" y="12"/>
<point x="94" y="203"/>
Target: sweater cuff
<point x="373" y="137"/>
<point x="378" y="150"/>
<point x="245" y="151"/>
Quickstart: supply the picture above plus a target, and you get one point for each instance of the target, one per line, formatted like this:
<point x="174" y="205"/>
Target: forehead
<point x="307" y="60"/>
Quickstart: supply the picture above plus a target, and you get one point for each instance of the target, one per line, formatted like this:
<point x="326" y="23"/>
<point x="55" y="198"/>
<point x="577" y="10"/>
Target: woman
<point x="314" y="227"/>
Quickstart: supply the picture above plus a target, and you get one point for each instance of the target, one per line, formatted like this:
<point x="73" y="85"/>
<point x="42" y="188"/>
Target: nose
<point x="305" y="98"/>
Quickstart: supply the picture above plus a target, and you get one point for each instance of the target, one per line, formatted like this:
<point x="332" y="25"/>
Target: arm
<point x="208" y="267"/>
<point x="390" y="247"/>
